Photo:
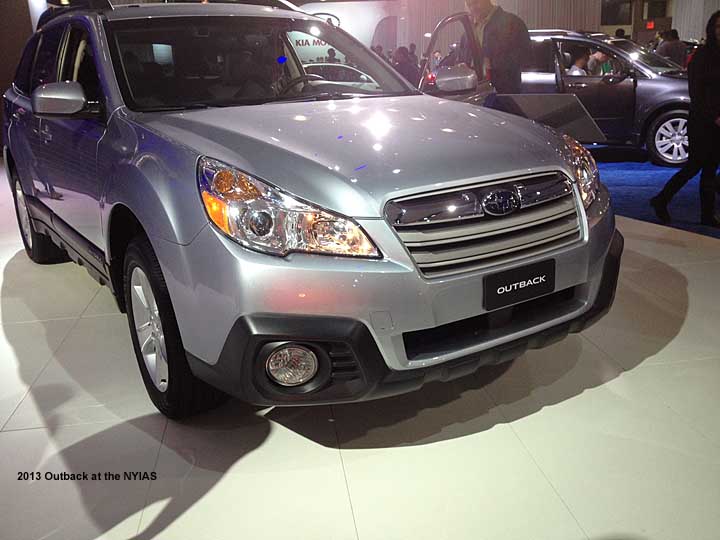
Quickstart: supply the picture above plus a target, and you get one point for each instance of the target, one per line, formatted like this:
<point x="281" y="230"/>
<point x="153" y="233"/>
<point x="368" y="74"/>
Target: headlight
<point x="266" y="219"/>
<point x="584" y="168"/>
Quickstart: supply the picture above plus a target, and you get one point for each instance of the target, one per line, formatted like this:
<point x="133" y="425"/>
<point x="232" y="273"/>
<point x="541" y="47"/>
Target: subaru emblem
<point x="501" y="202"/>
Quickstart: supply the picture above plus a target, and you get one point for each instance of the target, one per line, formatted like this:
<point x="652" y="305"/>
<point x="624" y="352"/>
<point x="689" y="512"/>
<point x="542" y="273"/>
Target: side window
<point x="454" y="45"/>
<point x="45" y="70"/>
<point x="542" y="57"/>
<point x="24" y="70"/>
<point x="78" y="64"/>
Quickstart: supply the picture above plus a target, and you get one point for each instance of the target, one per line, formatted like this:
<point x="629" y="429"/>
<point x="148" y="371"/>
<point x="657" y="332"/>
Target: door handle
<point x="577" y="85"/>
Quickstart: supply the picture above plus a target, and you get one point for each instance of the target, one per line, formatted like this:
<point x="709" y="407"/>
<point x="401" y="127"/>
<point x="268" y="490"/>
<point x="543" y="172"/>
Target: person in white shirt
<point x="580" y="57"/>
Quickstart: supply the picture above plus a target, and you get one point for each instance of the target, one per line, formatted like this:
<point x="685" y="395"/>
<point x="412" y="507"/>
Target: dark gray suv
<point x="639" y="99"/>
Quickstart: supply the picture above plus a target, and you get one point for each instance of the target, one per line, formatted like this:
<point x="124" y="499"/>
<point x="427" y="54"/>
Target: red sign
<point x="650" y="25"/>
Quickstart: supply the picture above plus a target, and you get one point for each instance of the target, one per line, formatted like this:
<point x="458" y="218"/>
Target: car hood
<point x="678" y="75"/>
<point x="353" y="156"/>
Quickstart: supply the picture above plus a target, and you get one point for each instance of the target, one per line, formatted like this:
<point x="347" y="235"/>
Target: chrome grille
<point x="462" y="230"/>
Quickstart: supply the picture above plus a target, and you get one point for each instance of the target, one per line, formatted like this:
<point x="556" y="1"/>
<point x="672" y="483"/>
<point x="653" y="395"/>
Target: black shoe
<point x="661" y="210"/>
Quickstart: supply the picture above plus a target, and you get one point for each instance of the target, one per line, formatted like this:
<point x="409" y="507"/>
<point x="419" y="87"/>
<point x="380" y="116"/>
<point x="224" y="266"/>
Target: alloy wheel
<point x="149" y="329"/>
<point x="25" y="224"/>
<point x="671" y="140"/>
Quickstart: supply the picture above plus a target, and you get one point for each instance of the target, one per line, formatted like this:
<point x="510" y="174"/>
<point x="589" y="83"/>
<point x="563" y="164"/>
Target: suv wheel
<point x="667" y="140"/>
<point x="39" y="247"/>
<point x="172" y="387"/>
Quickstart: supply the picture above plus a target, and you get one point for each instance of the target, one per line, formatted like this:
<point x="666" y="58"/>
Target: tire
<point x="39" y="247"/>
<point x="160" y="353"/>
<point x="667" y="140"/>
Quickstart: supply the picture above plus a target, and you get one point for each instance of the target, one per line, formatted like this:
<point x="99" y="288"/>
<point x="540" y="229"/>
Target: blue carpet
<point x="633" y="181"/>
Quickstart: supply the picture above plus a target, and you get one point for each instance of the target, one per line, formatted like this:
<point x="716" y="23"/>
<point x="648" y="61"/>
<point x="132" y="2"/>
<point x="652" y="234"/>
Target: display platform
<point x="613" y="434"/>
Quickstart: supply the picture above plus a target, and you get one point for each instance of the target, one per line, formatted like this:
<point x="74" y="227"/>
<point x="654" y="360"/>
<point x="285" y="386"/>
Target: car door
<point x="69" y="144"/>
<point x="19" y="118"/>
<point x="44" y="71"/>
<point x="610" y="99"/>
<point x="542" y="74"/>
<point x="455" y="39"/>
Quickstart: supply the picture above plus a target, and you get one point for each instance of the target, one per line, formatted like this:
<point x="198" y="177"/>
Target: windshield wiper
<point x="320" y="96"/>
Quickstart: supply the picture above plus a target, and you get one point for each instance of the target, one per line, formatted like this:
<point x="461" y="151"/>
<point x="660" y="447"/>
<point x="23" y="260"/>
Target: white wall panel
<point x="691" y="16"/>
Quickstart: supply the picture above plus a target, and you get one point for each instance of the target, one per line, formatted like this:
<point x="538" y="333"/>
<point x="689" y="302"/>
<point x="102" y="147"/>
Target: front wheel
<point x="667" y="139"/>
<point x="172" y="387"/>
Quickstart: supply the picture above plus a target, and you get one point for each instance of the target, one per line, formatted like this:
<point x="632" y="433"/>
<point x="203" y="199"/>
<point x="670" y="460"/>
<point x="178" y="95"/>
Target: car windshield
<point x="654" y="61"/>
<point x="197" y="62"/>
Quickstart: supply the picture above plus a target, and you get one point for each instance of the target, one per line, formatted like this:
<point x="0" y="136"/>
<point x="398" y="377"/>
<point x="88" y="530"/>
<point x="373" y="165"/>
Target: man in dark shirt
<point x="673" y="48"/>
<point x="405" y="67"/>
<point x="703" y="130"/>
<point x="504" y="42"/>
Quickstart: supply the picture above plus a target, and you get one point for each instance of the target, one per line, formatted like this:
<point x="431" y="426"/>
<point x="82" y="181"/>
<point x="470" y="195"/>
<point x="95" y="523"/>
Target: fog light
<point x="292" y="365"/>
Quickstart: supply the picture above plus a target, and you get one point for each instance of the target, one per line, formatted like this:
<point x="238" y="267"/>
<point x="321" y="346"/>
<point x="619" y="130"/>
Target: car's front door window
<point x="46" y="62"/>
<point x="78" y="64"/>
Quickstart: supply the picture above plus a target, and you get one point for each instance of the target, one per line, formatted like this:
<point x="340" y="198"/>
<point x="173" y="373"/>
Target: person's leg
<point x="707" y="192"/>
<point x="697" y="133"/>
<point x="682" y="177"/>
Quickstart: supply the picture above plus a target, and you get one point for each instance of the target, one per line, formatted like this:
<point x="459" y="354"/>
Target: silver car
<point x="286" y="239"/>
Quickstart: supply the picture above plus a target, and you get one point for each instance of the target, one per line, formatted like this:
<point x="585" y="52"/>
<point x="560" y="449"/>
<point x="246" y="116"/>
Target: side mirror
<point x="62" y="99"/>
<point x="456" y="79"/>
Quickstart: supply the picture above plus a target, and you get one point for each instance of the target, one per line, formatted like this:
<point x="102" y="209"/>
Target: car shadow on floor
<point x="438" y="412"/>
<point x="235" y="428"/>
<point x="444" y="411"/>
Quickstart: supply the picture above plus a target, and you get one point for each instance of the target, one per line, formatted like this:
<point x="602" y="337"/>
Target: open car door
<point x="451" y="65"/>
<point x="451" y="69"/>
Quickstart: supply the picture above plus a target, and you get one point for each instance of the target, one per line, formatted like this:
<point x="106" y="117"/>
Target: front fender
<point x="155" y="178"/>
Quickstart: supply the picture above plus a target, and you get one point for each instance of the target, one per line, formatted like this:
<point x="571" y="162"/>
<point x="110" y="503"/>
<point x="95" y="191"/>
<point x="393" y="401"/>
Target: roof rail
<point x="283" y="4"/>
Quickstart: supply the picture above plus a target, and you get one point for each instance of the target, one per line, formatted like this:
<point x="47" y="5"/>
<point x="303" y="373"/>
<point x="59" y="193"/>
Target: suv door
<point x="610" y="99"/>
<point x="19" y="117"/>
<point x="455" y="39"/>
<point x="542" y="75"/>
<point x="44" y="72"/>
<point x="69" y="148"/>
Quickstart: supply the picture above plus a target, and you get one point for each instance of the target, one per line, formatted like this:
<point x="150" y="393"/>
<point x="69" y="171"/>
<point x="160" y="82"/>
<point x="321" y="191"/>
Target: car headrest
<point x="567" y="60"/>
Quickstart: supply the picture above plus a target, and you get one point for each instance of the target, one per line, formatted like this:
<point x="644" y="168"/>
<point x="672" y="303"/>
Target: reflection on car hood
<point x="353" y="156"/>
<point x="683" y="75"/>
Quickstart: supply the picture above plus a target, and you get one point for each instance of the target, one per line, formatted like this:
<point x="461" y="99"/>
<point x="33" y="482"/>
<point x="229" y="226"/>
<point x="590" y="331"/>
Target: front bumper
<point x="380" y="325"/>
<point x="355" y="368"/>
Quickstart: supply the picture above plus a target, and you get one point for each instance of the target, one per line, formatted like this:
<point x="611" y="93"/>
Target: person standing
<point x="435" y="61"/>
<point x="620" y="33"/>
<point x="504" y="42"/>
<point x="673" y="48"/>
<point x="332" y="57"/>
<point x="413" y="54"/>
<point x="703" y="130"/>
<point x="405" y="67"/>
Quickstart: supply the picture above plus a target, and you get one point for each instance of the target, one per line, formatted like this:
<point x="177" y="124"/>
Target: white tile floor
<point x="611" y="435"/>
